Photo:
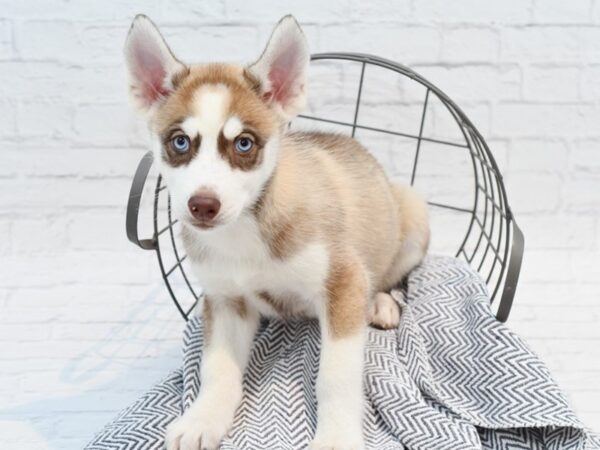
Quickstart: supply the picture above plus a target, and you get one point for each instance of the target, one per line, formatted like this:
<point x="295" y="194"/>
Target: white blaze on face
<point x="209" y="171"/>
<point x="232" y="128"/>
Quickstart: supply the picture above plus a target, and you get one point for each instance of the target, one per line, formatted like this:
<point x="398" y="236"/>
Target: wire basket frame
<point x="492" y="243"/>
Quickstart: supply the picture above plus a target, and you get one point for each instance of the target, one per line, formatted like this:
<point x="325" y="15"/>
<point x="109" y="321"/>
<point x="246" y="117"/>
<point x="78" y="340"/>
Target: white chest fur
<point x="236" y="262"/>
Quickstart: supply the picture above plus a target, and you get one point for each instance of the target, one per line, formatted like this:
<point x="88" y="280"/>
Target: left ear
<point x="283" y="67"/>
<point x="150" y="63"/>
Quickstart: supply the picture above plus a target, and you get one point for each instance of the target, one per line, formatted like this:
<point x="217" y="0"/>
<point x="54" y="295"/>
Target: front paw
<point x="194" y="431"/>
<point x="333" y="442"/>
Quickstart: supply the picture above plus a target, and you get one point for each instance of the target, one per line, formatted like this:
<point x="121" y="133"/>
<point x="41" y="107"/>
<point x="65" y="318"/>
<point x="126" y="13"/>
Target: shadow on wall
<point x="106" y="377"/>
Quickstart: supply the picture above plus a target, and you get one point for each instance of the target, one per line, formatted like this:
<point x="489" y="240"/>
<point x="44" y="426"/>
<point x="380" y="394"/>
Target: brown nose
<point x="204" y="207"/>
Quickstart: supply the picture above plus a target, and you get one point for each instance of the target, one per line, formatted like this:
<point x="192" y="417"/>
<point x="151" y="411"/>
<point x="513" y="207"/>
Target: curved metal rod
<point x="133" y="204"/>
<point x="161" y="264"/>
<point x="512" y="274"/>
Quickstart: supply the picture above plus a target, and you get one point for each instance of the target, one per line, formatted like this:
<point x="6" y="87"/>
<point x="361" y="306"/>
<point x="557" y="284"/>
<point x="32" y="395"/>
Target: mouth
<point x="203" y="225"/>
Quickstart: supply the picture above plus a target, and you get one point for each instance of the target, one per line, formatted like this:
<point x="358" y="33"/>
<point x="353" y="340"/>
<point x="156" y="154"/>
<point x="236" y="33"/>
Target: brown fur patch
<point x="252" y="81"/>
<point x="276" y="305"/>
<point x="347" y="299"/>
<point x="286" y="216"/>
<point x="178" y="77"/>
<point x="239" y="306"/>
<point x="283" y="240"/>
<point x="284" y="237"/>
<point x="246" y="161"/>
<point x="246" y="104"/>
<point x="330" y="141"/>
<point x="325" y="187"/>
<point x="172" y="156"/>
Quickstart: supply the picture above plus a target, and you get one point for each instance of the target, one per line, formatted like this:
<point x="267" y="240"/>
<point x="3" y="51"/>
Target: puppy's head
<point x="217" y="126"/>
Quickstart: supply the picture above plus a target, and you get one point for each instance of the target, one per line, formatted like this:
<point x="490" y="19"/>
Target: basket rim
<point x="513" y="248"/>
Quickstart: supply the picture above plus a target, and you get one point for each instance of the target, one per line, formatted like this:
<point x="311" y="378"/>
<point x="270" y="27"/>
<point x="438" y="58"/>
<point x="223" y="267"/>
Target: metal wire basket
<point x="373" y="99"/>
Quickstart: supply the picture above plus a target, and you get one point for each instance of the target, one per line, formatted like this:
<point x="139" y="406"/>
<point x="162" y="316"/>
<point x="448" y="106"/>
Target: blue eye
<point x="244" y="144"/>
<point x="181" y="143"/>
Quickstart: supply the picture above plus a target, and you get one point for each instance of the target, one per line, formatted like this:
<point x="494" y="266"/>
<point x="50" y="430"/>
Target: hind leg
<point x="385" y="312"/>
<point x="414" y="232"/>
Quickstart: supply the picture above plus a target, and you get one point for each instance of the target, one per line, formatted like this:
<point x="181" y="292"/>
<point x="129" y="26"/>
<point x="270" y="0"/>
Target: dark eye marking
<point x="244" y="152"/>
<point x="178" y="148"/>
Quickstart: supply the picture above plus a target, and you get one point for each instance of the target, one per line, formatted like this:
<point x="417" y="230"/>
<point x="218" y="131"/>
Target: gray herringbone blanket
<point x="450" y="377"/>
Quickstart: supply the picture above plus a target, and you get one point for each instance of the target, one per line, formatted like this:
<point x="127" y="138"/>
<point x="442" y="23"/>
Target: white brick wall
<point x="85" y="324"/>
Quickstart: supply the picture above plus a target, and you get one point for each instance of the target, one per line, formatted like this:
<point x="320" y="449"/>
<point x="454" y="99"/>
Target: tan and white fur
<point x="301" y="224"/>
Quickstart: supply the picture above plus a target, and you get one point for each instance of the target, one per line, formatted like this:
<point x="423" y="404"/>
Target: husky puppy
<point x="275" y="223"/>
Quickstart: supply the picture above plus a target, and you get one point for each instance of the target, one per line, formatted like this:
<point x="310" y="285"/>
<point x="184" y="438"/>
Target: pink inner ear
<point x="277" y="77"/>
<point x="151" y="73"/>
<point x="284" y="73"/>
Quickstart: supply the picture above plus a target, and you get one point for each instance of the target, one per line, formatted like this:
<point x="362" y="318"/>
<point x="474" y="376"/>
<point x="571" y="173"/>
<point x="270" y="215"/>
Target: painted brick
<point x="8" y="112"/>
<point x="474" y="11"/>
<point x="584" y="158"/>
<point x="92" y="10"/>
<point x="586" y="267"/>
<point x="311" y="10"/>
<point x="49" y="193"/>
<point x="89" y="230"/>
<point x="191" y="11"/>
<point x="557" y="11"/>
<point x="394" y="11"/>
<point x="53" y="40"/>
<point x="108" y="125"/>
<point x="532" y="155"/>
<point x="44" y="118"/>
<point x="6" y="39"/>
<point x="549" y="265"/>
<point x="537" y="43"/>
<point x="470" y="44"/>
<point x="582" y="195"/>
<point x="534" y="193"/>
<point x="476" y="82"/>
<point x="590" y="82"/>
<point x="40" y="235"/>
<point x="56" y="159"/>
<point x="213" y="43"/>
<point x="553" y="231"/>
<point x="410" y="44"/>
<point x="77" y="267"/>
<point x="540" y="83"/>
<point x="536" y="120"/>
<point x="550" y="44"/>
<point x="6" y="239"/>
<point x="62" y="82"/>
<point x="71" y="42"/>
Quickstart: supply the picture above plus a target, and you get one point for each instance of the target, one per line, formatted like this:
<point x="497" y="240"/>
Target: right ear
<point x="282" y="69"/>
<point x="150" y="63"/>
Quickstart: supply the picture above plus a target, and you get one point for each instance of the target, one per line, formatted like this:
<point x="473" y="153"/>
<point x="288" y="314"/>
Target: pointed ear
<point x="150" y="63"/>
<point x="283" y="67"/>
